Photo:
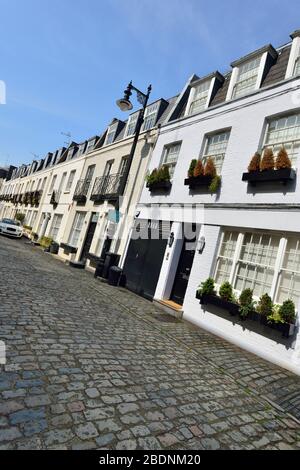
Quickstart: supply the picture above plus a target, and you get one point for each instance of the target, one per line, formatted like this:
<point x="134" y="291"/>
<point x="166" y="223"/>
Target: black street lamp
<point x="125" y="105"/>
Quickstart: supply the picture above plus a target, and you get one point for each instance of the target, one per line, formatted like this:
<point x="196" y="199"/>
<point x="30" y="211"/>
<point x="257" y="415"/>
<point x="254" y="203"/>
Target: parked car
<point x="11" y="228"/>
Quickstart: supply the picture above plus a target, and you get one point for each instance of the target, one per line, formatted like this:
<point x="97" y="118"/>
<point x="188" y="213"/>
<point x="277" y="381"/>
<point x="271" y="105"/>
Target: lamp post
<point x="125" y="105"/>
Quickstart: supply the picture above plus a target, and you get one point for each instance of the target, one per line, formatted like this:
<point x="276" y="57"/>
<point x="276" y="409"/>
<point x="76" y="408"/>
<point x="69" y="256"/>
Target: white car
<point x="11" y="228"/>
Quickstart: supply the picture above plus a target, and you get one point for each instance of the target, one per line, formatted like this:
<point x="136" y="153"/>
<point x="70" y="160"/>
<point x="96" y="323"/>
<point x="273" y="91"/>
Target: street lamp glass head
<point x="124" y="105"/>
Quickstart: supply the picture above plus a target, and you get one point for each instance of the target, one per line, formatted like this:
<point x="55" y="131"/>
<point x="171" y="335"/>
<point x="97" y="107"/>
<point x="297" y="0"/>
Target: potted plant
<point x="265" y="308"/>
<point x="200" y="175"/>
<point x="207" y="288"/>
<point x="159" y="179"/>
<point x="20" y="217"/>
<point x="247" y="305"/>
<point x="225" y="299"/>
<point x="268" y="169"/>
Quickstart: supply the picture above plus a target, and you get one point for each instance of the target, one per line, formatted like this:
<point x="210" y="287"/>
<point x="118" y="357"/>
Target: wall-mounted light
<point x="137" y="214"/>
<point x="171" y="239"/>
<point x="201" y="245"/>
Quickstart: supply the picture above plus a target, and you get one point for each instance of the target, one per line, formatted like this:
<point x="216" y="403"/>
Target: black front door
<point x="182" y="274"/>
<point x="89" y="238"/>
<point x="143" y="264"/>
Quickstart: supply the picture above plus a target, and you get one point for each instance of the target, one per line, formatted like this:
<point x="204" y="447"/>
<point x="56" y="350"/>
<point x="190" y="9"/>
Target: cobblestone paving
<point x="95" y="367"/>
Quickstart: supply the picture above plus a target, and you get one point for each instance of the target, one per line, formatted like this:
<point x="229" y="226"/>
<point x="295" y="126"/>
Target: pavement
<point x="90" y="366"/>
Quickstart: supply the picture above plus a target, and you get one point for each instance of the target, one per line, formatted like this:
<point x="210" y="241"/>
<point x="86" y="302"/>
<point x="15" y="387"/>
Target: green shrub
<point x="20" y="217"/>
<point x="164" y="173"/>
<point x="192" y="167"/>
<point x="215" y="184"/>
<point x="207" y="287"/>
<point x="276" y="317"/>
<point x="226" y="291"/>
<point x="152" y="177"/>
<point x="45" y="242"/>
<point x="265" y="306"/>
<point x="287" y="311"/>
<point x="246" y="302"/>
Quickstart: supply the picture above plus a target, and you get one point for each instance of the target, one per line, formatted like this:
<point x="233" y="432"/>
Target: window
<point x="90" y="173"/>
<point x="111" y="133"/>
<point x="225" y="258"/>
<point x="108" y="167"/>
<point x="81" y="149"/>
<point x="70" y="181"/>
<point x="247" y="78"/>
<point x="284" y="131"/>
<point x="27" y="218"/>
<point x="264" y="262"/>
<point x="33" y="219"/>
<point x="44" y="183"/>
<point x="90" y="146"/>
<point x="200" y="97"/>
<point x="62" y="182"/>
<point x="131" y="125"/>
<point x="150" y="116"/>
<point x="76" y="228"/>
<point x="52" y="184"/>
<point x="289" y="279"/>
<point x="170" y="157"/>
<point x="123" y="165"/>
<point x="55" y="226"/>
<point x="255" y="267"/>
<point x="215" y="147"/>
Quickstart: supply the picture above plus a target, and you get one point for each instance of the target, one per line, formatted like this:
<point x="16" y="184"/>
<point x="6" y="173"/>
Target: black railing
<point x="55" y="197"/>
<point x="81" y="190"/>
<point x="107" y="187"/>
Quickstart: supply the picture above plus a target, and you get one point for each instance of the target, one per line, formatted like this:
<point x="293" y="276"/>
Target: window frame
<point x="111" y="133"/>
<point x="204" y="154"/>
<point x="68" y="185"/>
<point x="150" y="117"/>
<point x="238" y="81"/>
<point x="76" y="228"/>
<point x="193" y="97"/>
<point x="55" y="218"/>
<point x="165" y="151"/>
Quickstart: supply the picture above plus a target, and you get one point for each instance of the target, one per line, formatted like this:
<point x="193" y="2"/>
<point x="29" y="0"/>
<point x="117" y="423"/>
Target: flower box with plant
<point x="281" y="317"/>
<point x="207" y="295"/>
<point x="159" y="179"/>
<point x="267" y="169"/>
<point x="45" y="242"/>
<point x="200" y="175"/>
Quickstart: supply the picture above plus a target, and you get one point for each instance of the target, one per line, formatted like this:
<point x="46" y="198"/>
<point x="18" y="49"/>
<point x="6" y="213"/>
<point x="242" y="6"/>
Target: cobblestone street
<point x="90" y="366"/>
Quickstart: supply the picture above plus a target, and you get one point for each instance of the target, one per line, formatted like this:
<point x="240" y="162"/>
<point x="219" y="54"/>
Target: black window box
<point x="94" y="258"/>
<point x="197" y="181"/>
<point x="267" y="176"/>
<point x="159" y="186"/>
<point x="79" y="198"/>
<point x="286" y="329"/>
<point x="68" y="249"/>
<point x="104" y="197"/>
<point x="232" y="307"/>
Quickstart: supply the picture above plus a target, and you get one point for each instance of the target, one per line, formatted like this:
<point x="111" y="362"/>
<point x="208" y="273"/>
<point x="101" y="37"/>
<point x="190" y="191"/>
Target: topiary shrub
<point x="164" y="173"/>
<point x="199" y="169"/>
<point x="287" y="311"/>
<point x="267" y="161"/>
<point x="265" y="306"/>
<point x="192" y="167"/>
<point x="282" y="160"/>
<point x="246" y="302"/>
<point x="207" y="287"/>
<point x="45" y="242"/>
<point x="254" y="163"/>
<point x="152" y="177"/>
<point x="215" y="184"/>
<point x="226" y="291"/>
<point x="20" y="217"/>
<point x="210" y="168"/>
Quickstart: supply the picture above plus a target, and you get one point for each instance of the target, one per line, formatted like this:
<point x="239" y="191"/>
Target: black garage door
<point x="145" y="257"/>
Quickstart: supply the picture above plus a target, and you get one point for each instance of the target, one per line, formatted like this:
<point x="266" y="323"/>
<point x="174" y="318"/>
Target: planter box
<point x="198" y="181"/>
<point x="232" y="307"/>
<point x="68" y="249"/>
<point x="283" y="176"/>
<point x="159" y="186"/>
<point x="286" y="329"/>
<point x="81" y="198"/>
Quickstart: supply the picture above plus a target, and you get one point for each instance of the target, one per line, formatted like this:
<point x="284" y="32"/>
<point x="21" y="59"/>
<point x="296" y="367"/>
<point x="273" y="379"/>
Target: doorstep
<point x="170" y="307"/>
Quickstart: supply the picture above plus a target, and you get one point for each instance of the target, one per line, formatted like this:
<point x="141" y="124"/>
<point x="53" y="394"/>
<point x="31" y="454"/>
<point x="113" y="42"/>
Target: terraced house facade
<point x="231" y="223"/>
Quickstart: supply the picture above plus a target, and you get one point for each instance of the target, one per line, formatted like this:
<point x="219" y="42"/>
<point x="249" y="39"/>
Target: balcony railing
<point x="107" y="187"/>
<point x="81" y="191"/>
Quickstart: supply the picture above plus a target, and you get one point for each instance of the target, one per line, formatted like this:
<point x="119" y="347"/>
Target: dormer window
<point x="199" y="97"/>
<point x="111" y="133"/>
<point x="150" y="116"/>
<point x="131" y="125"/>
<point x="247" y="78"/>
<point x="81" y="149"/>
<point x="90" y="146"/>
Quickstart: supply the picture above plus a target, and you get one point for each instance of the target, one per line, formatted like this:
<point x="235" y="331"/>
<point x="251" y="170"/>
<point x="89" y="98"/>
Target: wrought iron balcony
<point x="107" y="187"/>
<point x="81" y="191"/>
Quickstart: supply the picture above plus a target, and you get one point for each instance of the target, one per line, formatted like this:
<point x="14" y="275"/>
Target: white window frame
<point x="52" y="185"/>
<point x="166" y="151"/>
<point x="282" y="142"/>
<point x="150" y="116"/>
<point x="90" y="146"/>
<point x="111" y="133"/>
<point x="245" y="90"/>
<point x="277" y="268"/>
<point x="76" y="230"/>
<point x="55" y="226"/>
<point x="70" y="181"/>
<point x="131" y="124"/>
<point x="217" y="157"/>
<point x="204" y="97"/>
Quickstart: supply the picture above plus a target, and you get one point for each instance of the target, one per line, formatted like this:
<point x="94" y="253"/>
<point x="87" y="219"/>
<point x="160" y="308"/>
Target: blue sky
<point x="65" y="62"/>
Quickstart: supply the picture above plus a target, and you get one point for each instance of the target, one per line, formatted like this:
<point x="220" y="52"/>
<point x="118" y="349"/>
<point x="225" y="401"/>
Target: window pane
<point x="285" y="131"/>
<point x="199" y="98"/>
<point x="225" y="259"/>
<point x="170" y="157"/>
<point x="247" y="77"/>
<point x="216" y="147"/>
